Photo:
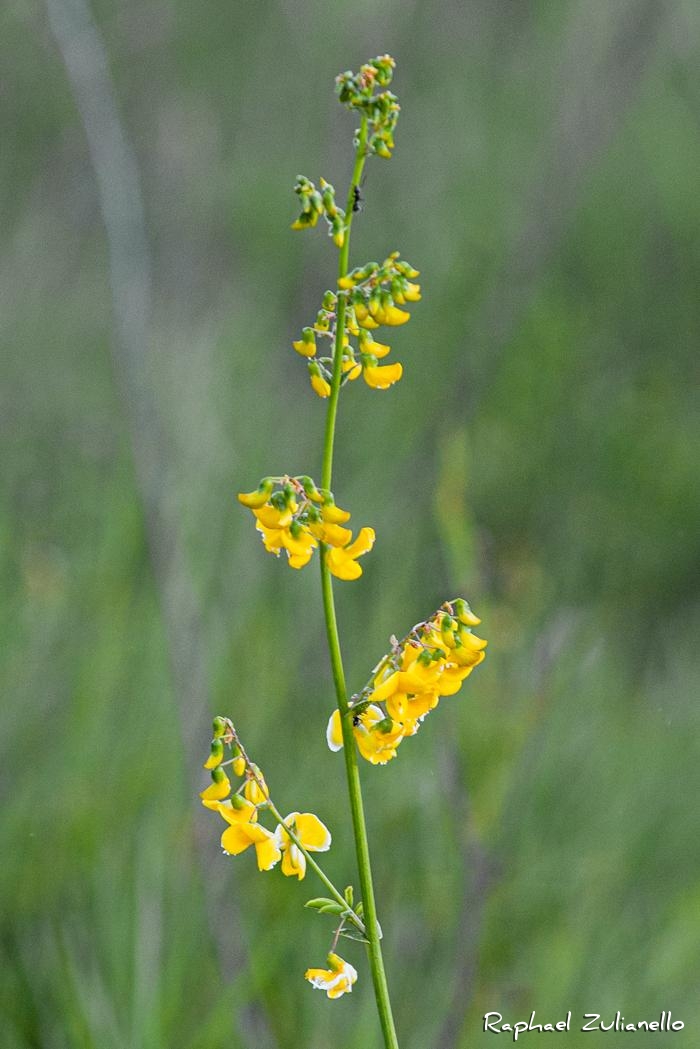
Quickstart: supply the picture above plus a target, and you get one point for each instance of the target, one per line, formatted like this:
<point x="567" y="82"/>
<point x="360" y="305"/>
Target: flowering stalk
<point x="295" y="516"/>
<point x="374" y="950"/>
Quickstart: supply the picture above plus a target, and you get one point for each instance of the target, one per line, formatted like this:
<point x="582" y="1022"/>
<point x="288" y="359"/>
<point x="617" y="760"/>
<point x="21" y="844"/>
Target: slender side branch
<point x="335" y="893"/>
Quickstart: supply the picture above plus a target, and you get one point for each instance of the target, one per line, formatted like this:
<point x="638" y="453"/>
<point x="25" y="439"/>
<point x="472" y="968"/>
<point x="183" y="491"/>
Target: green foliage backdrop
<point x="536" y="845"/>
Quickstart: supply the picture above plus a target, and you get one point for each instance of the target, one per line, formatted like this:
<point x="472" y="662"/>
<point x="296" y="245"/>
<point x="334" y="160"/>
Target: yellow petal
<point x="387" y="688"/>
<point x="254" y="499"/>
<point x="393" y="316"/>
<point x="218" y="790"/>
<point x="270" y="517"/>
<point x="267" y="852"/>
<point x="333" y="534"/>
<point x="334" y="732"/>
<point x="363" y="544"/>
<point x="247" y="813"/>
<point x="271" y="537"/>
<point x="342" y="566"/>
<point x="333" y="514"/>
<point x="381" y="377"/>
<point x="293" y="862"/>
<point x="320" y="386"/>
<point x="378" y="349"/>
<point x="313" y="834"/>
<point x="306" y="349"/>
<point x="253" y="793"/>
<point x="303" y="543"/>
<point x="300" y="560"/>
<point x="235" y="840"/>
<point x="239" y="836"/>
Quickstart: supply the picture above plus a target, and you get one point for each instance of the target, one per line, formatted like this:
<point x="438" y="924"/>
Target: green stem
<point x="360" y="157"/>
<point x="374" y="950"/>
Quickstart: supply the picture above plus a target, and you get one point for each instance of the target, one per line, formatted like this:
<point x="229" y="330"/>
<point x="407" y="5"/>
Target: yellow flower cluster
<point x="298" y="516"/>
<point x="336" y="980"/>
<point x="375" y="294"/>
<point x="432" y="661"/>
<point x="240" y="811"/>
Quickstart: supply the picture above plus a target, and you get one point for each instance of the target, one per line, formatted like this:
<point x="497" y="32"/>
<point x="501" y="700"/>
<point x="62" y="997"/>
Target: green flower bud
<point x="318" y="902"/>
<point x="219" y="726"/>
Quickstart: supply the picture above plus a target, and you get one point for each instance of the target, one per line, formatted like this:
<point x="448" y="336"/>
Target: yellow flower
<point x="379" y="349"/>
<point x="299" y="547"/>
<point x="332" y="534"/>
<point x="331" y="512"/>
<point x="404" y="709"/>
<point x="219" y="789"/>
<point x="306" y="345"/>
<point x="409" y="293"/>
<point x="381" y="377"/>
<point x="376" y="739"/>
<point x="341" y="560"/>
<point x="236" y="810"/>
<point x="240" y="836"/>
<point x="255" y="790"/>
<point x="295" y="538"/>
<point x="364" y="317"/>
<point x="216" y="756"/>
<point x="257" y="498"/>
<point x="319" y="385"/>
<point x="335" y="981"/>
<point x="314" y="836"/>
<point x="270" y="517"/>
<point x="392" y="316"/>
<point x="351" y="368"/>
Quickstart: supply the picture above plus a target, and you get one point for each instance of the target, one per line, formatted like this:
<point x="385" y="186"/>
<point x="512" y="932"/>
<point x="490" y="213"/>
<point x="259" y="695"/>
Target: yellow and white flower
<point x="337" y="980"/>
<point x="313" y="835"/>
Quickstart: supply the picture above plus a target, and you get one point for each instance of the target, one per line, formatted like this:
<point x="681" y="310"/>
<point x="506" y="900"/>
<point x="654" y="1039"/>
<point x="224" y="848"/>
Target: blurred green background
<point x="536" y="844"/>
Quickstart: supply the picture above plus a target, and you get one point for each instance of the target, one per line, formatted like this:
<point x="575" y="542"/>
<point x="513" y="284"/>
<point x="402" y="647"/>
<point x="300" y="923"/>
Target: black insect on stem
<point x="356" y="199"/>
